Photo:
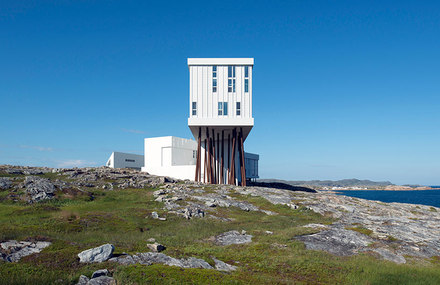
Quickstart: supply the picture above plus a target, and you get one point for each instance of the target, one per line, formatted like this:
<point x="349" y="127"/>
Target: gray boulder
<point x="102" y="280"/>
<point x="98" y="254"/>
<point x="13" y="251"/>
<point x="233" y="237"/>
<point x="39" y="189"/>
<point x="338" y="241"/>
<point x="148" y="258"/>
<point x="83" y="280"/>
<point x="101" y="272"/>
<point x="222" y="266"/>
<point x="5" y="183"/>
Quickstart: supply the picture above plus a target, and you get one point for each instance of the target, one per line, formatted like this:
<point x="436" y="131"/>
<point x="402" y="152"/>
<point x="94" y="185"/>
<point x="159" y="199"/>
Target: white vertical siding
<point x="207" y="101"/>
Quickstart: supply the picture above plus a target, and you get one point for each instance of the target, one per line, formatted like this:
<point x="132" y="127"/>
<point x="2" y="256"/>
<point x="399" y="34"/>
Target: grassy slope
<point x="119" y="217"/>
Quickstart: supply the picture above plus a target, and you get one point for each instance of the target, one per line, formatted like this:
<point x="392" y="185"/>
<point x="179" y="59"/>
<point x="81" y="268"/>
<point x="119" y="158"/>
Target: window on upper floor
<point x="246" y="79"/>
<point x="222" y="108"/>
<point x="194" y="108"/>
<point x="231" y="78"/>
<point x="214" y="78"/>
<point x="238" y="108"/>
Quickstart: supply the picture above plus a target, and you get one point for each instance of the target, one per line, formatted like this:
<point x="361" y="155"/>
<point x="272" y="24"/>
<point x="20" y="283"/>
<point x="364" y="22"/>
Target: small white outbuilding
<point x="125" y="160"/>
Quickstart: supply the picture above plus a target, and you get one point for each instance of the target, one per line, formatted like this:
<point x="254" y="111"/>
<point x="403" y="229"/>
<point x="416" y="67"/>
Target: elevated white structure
<point x="220" y="117"/>
<point x="125" y="160"/>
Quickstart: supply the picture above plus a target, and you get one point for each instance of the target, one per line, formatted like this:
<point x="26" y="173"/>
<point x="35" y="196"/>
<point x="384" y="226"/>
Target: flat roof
<point x="220" y="61"/>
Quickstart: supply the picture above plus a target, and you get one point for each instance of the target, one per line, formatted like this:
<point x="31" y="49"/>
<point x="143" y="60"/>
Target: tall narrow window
<point x="238" y="108"/>
<point x="194" y="108"/>
<point x="214" y="78"/>
<point x="220" y="108"/>
<point x="246" y="79"/>
<point x="231" y="78"/>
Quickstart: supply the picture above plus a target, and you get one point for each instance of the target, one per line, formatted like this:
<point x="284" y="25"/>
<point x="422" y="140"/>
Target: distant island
<point x="347" y="184"/>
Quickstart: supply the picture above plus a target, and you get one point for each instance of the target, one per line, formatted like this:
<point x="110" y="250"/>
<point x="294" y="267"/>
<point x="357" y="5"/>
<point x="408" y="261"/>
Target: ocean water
<point x="424" y="197"/>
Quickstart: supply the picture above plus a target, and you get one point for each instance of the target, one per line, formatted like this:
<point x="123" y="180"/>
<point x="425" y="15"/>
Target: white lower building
<point x="177" y="157"/>
<point x="125" y="160"/>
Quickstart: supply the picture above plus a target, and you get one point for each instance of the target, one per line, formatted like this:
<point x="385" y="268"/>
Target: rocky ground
<point x="391" y="231"/>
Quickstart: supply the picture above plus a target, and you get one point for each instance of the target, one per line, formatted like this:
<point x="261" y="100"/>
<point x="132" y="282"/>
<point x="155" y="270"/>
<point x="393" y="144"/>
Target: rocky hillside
<point x="107" y="226"/>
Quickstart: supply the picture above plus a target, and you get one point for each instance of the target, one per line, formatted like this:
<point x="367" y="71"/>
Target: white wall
<point x="170" y="156"/>
<point x="125" y="160"/>
<point x="180" y="158"/>
<point x="201" y="78"/>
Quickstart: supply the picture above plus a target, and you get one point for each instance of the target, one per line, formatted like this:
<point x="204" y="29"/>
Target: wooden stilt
<point x="217" y="160"/>
<point x="205" y="164"/>
<point x="214" y="166"/>
<point x="232" y="169"/>
<point x="229" y="160"/>
<point x="243" y="183"/>
<point x="221" y="158"/>
<point x="209" y="174"/>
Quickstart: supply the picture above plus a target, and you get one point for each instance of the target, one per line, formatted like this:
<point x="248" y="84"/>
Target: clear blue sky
<point x="342" y="89"/>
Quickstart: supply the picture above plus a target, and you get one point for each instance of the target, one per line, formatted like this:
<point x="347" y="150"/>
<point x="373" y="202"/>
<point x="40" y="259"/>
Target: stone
<point x="102" y="280"/>
<point x="148" y="258"/>
<point x="269" y="232"/>
<point x="388" y="255"/>
<point x="39" y="189"/>
<point x="338" y="241"/>
<point x="83" y="280"/>
<point x="232" y="237"/>
<point x="98" y="254"/>
<point x="151" y="240"/>
<point x="15" y="250"/>
<point x="5" y="183"/>
<point x="222" y="266"/>
<point x="101" y="272"/>
<point x="156" y="247"/>
<point x="155" y="215"/>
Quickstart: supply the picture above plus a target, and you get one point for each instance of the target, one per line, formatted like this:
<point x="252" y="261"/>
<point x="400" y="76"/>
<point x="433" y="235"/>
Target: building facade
<point x="125" y="160"/>
<point x="220" y="117"/>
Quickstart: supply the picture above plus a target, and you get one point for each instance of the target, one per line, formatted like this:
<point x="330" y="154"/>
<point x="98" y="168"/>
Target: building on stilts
<point x="220" y="119"/>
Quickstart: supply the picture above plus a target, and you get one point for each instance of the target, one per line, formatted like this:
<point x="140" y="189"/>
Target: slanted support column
<point x="232" y="168"/>
<point x="209" y="174"/>
<point x="243" y="173"/>
<point x="205" y="164"/>
<point x="221" y="158"/>
<point x="228" y="171"/>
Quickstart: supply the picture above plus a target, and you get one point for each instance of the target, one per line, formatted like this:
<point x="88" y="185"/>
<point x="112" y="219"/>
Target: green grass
<point x="361" y="230"/>
<point x="122" y="217"/>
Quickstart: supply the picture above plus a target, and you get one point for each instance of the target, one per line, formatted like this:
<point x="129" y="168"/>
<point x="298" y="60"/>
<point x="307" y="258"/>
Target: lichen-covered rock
<point x="100" y="272"/>
<point x="39" y="189"/>
<point x="222" y="266"/>
<point x="5" y="183"/>
<point x="102" y="280"/>
<point x="148" y="258"/>
<point x="13" y="251"/>
<point x="98" y="254"/>
<point x="83" y="280"/>
<point x="232" y="237"/>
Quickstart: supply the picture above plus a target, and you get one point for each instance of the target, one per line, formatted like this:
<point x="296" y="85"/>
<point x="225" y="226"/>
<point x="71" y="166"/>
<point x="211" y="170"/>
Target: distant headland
<point x="348" y="184"/>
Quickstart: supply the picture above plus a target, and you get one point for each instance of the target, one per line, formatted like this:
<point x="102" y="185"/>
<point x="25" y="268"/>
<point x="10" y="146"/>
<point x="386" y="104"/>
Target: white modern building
<point x="177" y="158"/>
<point x="220" y="119"/>
<point x="125" y="160"/>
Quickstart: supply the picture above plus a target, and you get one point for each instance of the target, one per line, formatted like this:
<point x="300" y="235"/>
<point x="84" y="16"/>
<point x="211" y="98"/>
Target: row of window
<point x="222" y="108"/>
<point x="231" y="78"/>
